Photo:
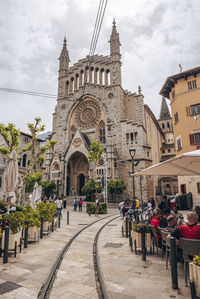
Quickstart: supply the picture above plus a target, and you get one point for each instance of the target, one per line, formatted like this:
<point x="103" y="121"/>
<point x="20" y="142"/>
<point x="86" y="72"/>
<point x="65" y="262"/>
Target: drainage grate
<point x="83" y="224"/>
<point x="112" y="225"/>
<point x="8" y="286"/>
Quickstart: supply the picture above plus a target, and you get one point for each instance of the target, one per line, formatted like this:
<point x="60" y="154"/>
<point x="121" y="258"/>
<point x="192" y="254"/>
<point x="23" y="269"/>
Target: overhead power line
<point x="95" y="35"/>
<point x="32" y="93"/>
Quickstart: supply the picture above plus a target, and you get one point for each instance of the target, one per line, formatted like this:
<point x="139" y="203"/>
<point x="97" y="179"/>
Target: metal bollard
<point x="67" y="217"/>
<point x="143" y="241"/>
<point x="41" y="229"/>
<point x="173" y="260"/>
<point x="6" y="242"/>
<point x="192" y="290"/>
<point x="126" y="227"/>
<point x="26" y="235"/>
<point x="129" y="232"/>
<point x="64" y="204"/>
<point x="52" y="225"/>
<point x="59" y="220"/>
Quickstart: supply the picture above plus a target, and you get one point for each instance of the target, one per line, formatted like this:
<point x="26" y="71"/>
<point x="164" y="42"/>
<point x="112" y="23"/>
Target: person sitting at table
<point x="197" y="211"/>
<point x="171" y="224"/>
<point x="156" y="219"/>
<point x="190" y="230"/>
<point x="178" y="215"/>
<point x="163" y="204"/>
<point x="163" y="219"/>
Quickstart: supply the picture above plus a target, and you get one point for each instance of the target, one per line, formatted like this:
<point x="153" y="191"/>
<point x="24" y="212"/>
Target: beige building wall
<point x="183" y="91"/>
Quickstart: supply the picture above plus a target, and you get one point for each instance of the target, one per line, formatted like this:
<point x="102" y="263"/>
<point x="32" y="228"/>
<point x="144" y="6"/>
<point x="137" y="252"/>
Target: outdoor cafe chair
<point x="190" y="248"/>
<point x="154" y="238"/>
<point x="166" y="245"/>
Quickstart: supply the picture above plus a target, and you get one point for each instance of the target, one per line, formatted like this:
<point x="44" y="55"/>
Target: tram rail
<point x="45" y="290"/>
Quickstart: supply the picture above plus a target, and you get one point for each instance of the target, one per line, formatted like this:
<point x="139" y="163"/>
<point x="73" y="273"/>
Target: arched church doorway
<point x="81" y="183"/>
<point x="77" y="172"/>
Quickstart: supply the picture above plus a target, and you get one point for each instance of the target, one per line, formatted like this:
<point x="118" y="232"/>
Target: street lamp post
<point x="132" y="152"/>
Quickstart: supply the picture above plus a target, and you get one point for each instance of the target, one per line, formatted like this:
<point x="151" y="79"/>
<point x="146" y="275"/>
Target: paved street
<point x="125" y="274"/>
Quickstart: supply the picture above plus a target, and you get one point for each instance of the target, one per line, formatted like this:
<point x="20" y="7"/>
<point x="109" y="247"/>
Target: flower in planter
<point x="196" y="260"/>
<point x="141" y="228"/>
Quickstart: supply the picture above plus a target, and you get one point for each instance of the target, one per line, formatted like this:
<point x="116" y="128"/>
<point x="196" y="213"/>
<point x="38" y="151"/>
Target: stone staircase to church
<point x="70" y="200"/>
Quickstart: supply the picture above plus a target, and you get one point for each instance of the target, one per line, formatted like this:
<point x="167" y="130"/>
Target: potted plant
<point x="194" y="269"/>
<point x="136" y="232"/>
<point x="34" y="223"/>
<point x="48" y="212"/>
<point x="14" y="221"/>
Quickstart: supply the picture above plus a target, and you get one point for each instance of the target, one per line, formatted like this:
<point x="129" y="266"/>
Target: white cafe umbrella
<point x="36" y="195"/>
<point x="11" y="177"/>
<point x="182" y="165"/>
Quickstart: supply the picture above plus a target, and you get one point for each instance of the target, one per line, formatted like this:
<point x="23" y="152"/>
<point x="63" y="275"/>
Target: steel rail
<point x="102" y="293"/>
<point x="44" y="291"/>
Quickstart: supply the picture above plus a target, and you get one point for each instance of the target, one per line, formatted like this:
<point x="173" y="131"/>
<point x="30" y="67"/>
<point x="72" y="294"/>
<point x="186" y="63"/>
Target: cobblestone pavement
<point x="126" y="275"/>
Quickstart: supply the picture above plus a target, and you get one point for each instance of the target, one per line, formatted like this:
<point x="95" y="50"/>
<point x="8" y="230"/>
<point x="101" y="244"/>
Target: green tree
<point x="11" y="138"/>
<point x="36" y="154"/>
<point x="31" y="179"/>
<point x="48" y="187"/>
<point x="116" y="187"/>
<point x="95" y="151"/>
<point x="91" y="187"/>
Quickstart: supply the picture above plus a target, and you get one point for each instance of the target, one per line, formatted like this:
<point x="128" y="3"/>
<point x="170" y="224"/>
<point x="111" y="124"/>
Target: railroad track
<point x="101" y="290"/>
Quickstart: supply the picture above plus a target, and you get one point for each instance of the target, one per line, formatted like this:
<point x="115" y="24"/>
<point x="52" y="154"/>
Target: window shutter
<point x="188" y="110"/>
<point x="192" y="139"/>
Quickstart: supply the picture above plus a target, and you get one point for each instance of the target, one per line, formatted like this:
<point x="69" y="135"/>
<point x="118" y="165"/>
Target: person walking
<point x="80" y="204"/>
<point x="58" y="203"/>
<point x="97" y="206"/>
<point x="75" y="203"/>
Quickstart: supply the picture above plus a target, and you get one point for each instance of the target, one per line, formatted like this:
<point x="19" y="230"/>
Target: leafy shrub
<point x="19" y="208"/>
<point x="15" y="221"/>
<point x="3" y="205"/>
<point x="91" y="208"/>
<point x="33" y="217"/>
<point x="47" y="211"/>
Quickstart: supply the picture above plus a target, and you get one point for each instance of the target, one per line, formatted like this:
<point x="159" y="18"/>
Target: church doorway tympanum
<point x="77" y="172"/>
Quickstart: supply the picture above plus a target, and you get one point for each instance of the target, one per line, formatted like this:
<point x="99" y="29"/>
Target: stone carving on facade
<point x="77" y="142"/>
<point x="87" y="114"/>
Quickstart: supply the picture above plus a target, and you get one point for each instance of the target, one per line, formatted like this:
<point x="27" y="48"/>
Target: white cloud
<point x="156" y="36"/>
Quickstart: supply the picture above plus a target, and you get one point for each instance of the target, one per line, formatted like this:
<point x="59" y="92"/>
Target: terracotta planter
<point x="12" y="239"/>
<point x="33" y="233"/>
<point x="137" y="236"/>
<point x="195" y="275"/>
<point x="46" y="225"/>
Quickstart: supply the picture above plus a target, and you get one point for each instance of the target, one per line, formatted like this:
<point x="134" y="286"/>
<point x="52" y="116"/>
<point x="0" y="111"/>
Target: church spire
<point x="164" y="110"/>
<point x="115" y="42"/>
<point x="64" y="59"/>
<point x="115" y="56"/>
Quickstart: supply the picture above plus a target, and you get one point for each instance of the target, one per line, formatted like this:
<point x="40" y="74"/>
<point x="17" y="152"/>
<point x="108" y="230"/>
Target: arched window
<point x="163" y="125"/>
<point x="168" y="125"/>
<point x="102" y="132"/>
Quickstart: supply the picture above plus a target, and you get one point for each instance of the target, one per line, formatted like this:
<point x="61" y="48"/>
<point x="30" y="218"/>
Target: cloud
<point x="156" y="36"/>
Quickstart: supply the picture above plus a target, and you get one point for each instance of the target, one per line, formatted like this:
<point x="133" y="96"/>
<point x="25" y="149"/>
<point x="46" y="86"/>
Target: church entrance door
<point x="77" y="172"/>
<point x="81" y="183"/>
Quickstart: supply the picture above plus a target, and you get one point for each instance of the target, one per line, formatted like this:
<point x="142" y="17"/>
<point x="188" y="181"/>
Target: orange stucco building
<point x="183" y="91"/>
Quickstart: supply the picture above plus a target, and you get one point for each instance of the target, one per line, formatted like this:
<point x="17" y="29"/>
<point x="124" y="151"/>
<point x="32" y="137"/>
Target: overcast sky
<point x="156" y="36"/>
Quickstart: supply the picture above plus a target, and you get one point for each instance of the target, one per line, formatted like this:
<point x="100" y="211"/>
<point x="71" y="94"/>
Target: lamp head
<point x="132" y="152"/>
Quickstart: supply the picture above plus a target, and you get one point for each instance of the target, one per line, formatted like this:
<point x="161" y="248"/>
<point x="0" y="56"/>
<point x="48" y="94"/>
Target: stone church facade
<point x="92" y="105"/>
